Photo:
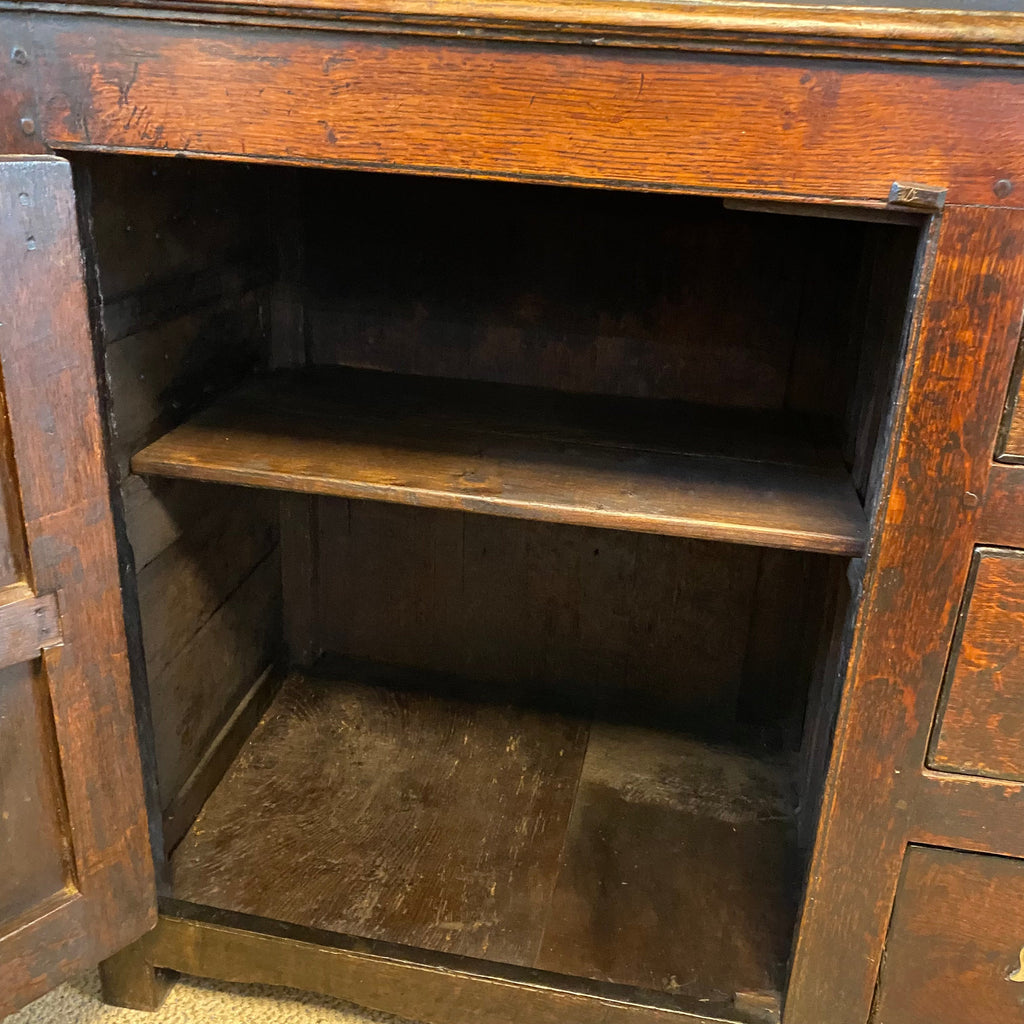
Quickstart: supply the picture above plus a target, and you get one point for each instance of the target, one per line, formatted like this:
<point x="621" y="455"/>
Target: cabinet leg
<point x="128" y="979"/>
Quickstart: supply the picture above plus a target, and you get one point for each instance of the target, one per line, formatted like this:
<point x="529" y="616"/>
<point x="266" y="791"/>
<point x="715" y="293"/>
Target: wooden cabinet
<point x="525" y="601"/>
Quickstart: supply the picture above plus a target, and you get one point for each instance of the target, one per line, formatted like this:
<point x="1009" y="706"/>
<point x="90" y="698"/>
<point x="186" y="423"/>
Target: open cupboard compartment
<point x="489" y="552"/>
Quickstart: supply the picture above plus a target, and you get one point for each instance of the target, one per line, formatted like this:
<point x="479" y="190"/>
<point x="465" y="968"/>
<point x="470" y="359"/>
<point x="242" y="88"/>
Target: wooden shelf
<point x="377" y="804"/>
<point x="654" y="467"/>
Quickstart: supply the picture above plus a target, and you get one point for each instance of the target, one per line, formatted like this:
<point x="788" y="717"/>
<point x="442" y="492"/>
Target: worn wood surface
<point x="436" y="988"/>
<point x="980" y="729"/>
<point x="18" y="96"/>
<point x="741" y="126"/>
<point x="28" y="624"/>
<point x="416" y="819"/>
<point x="527" y="454"/>
<point x="196" y="692"/>
<point x="161" y="373"/>
<point x="13" y="556"/>
<point x="953" y="31"/>
<point x="218" y="756"/>
<point x="678" y="872"/>
<point x="955" y="947"/>
<point x="107" y="896"/>
<point x="452" y="826"/>
<point x="967" y="812"/>
<point x="127" y="980"/>
<point x="1001" y="516"/>
<point x="1011" y="437"/>
<point x="948" y="412"/>
<point x="186" y="584"/>
<point x="33" y="827"/>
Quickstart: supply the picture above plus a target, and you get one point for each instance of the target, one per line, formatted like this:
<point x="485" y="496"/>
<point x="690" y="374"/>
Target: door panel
<point x="77" y="872"/>
<point x="31" y="829"/>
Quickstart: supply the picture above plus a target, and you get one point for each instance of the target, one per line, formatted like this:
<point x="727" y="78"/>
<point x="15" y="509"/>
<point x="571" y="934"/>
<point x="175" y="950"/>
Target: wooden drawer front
<point x="981" y="725"/>
<point x="955" y="946"/>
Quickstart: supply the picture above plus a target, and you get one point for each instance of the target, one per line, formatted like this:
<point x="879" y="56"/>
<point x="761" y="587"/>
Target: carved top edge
<point x="958" y="33"/>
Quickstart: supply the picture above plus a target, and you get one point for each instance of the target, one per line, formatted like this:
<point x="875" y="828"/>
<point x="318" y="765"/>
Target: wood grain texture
<point x="1011" y="440"/>
<point x="158" y="375"/>
<point x="33" y="827"/>
<point x="469" y="827"/>
<point x="954" y="942"/>
<point x="678" y="871"/>
<point x="947" y="418"/>
<point x="962" y="31"/>
<point x="742" y="126"/>
<point x="218" y="756"/>
<point x="13" y="556"/>
<point x="634" y="626"/>
<point x="1001" y="518"/>
<point x="523" y="453"/>
<point x="980" y="728"/>
<point x="195" y="693"/>
<point x="435" y="988"/>
<point x="181" y="266"/>
<point x="967" y="812"/>
<point x="50" y="392"/>
<point x="18" y="96"/>
<point x="185" y="585"/>
<point x="431" y="822"/>
<point x="28" y="624"/>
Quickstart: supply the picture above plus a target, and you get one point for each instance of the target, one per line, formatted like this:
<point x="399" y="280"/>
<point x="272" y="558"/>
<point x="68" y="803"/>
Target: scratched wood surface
<point x="471" y="827"/>
<point x="678" y="872"/>
<point x="422" y="820"/>
<point x="617" y="117"/>
<point x="980" y="729"/>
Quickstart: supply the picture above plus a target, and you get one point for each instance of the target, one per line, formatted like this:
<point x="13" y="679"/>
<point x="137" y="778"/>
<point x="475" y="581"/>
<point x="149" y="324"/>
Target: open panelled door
<point x="76" y="873"/>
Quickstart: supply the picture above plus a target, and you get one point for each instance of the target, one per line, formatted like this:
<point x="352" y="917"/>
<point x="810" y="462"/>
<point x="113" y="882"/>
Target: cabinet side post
<point x="965" y="328"/>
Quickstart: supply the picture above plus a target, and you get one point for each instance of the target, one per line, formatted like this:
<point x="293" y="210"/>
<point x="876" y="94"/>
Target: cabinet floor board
<point x="679" y="870"/>
<point x="391" y="814"/>
<point x="654" y="467"/>
<point x="369" y="804"/>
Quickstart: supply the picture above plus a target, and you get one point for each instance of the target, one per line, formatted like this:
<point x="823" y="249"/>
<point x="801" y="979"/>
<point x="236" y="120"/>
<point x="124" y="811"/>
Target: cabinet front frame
<point x="815" y="131"/>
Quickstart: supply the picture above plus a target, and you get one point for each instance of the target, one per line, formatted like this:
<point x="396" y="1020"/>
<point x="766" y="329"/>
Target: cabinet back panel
<point x="644" y="625"/>
<point x="618" y="293"/>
